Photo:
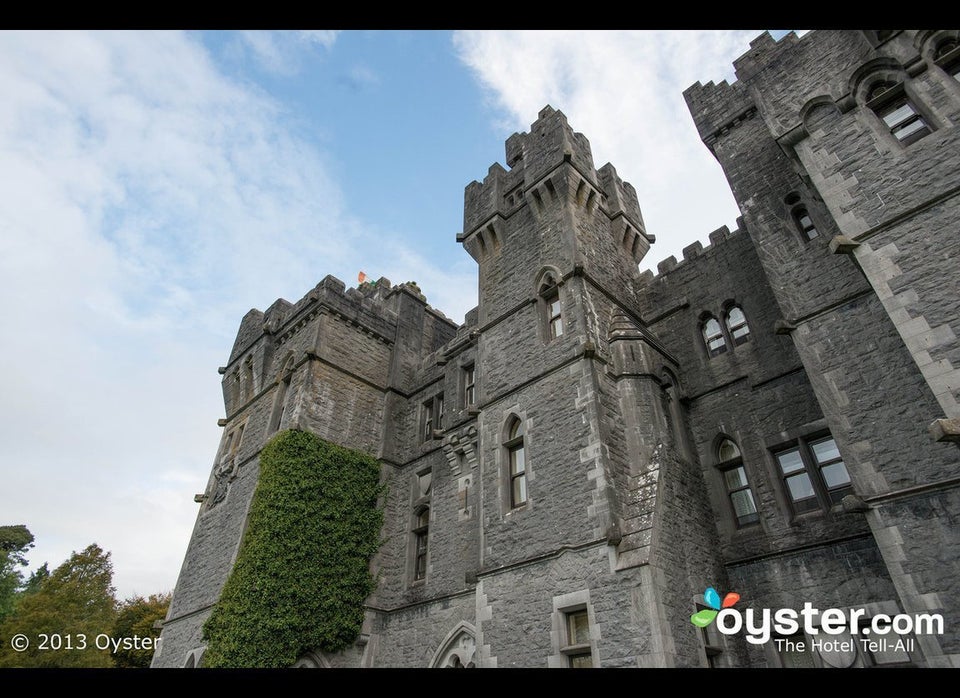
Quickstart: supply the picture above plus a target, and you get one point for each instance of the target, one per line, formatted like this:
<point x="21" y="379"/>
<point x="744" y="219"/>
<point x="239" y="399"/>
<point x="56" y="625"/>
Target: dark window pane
<point x="835" y="475"/>
<point x="519" y="490"/>
<point x="800" y="487"/>
<point x="910" y="129"/>
<point x="517" y="463"/>
<point x="825" y="450"/>
<point x="790" y="461"/>
<point x="581" y="661"/>
<point x="423" y="518"/>
<point x="578" y="626"/>
<point x="736" y="478"/>
<point x="899" y="115"/>
<point x="556" y="327"/>
<point x="736" y="317"/>
<point x="743" y="505"/>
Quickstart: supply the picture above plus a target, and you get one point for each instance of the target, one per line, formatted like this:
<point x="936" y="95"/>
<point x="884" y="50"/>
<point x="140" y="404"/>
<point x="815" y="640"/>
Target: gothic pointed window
<point x="551" y="307"/>
<point x="737" y="326"/>
<point x="516" y="464"/>
<point x="713" y="337"/>
<point x="421" y="533"/>
<point x="730" y="464"/>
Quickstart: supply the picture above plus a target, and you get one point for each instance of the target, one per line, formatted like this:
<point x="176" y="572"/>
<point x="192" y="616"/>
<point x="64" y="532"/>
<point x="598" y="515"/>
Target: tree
<point x="32" y="585"/>
<point x="74" y="604"/>
<point x="14" y="543"/>
<point x="135" y="620"/>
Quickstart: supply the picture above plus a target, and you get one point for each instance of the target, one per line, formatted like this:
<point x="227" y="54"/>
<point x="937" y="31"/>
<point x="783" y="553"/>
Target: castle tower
<point x="579" y="467"/>
<point x="841" y="149"/>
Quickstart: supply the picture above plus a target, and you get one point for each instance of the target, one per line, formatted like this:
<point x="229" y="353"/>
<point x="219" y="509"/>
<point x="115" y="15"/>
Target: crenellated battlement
<point x="695" y="250"/>
<point x="551" y="170"/>
<point x="716" y="107"/>
<point x="764" y="52"/>
<point x="372" y="305"/>
<point x="530" y="156"/>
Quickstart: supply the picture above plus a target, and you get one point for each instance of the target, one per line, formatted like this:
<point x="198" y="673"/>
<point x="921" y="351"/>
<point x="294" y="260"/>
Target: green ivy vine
<point x="303" y="569"/>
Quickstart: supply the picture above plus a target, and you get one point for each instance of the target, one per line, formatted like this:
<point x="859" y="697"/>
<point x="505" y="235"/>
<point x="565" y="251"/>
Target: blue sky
<point x="160" y="184"/>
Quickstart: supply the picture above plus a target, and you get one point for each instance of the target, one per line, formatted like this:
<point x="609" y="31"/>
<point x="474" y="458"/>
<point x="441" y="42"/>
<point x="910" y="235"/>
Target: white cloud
<point x="281" y="51"/>
<point x="148" y="203"/>
<point x="623" y="90"/>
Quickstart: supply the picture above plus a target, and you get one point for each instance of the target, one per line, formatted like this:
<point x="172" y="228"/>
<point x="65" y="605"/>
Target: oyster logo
<point x="703" y="618"/>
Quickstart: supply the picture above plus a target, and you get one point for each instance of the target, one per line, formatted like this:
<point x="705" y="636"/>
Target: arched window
<point x="947" y="56"/>
<point x="516" y="464"/>
<point x="890" y="102"/>
<point x="421" y="532"/>
<point x="730" y="463"/>
<point x="549" y="292"/>
<point x="713" y="337"/>
<point x="737" y="326"/>
<point x="805" y="225"/>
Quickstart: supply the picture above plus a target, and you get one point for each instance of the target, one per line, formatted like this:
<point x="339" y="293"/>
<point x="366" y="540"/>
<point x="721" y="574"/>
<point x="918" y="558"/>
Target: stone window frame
<point x="421" y="541"/>
<point x="898" y="92"/>
<point x="948" y="59"/>
<point x="515" y="441"/>
<point x="431" y="417"/>
<point x="935" y="48"/>
<point x="421" y="495"/>
<point x="708" y="336"/>
<point x="565" y="606"/>
<point x="726" y="465"/>
<point x="823" y="495"/>
<point x="796" y="208"/>
<point x="729" y="330"/>
<point x="550" y="304"/>
<point x="468" y="373"/>
<point x="798" y="213"/>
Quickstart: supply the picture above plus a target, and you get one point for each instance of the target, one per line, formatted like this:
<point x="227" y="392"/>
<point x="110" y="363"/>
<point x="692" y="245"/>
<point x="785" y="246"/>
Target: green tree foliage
<point x="32" y="585"/>
<point x="75" y="600"/>
<point x="303" y="569"/>
<point x="135" y="619"/>
<point x="14" y="543"/>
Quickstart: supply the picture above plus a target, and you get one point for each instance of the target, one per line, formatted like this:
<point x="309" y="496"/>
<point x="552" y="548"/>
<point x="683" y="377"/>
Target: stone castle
<point x="775" y="415"/>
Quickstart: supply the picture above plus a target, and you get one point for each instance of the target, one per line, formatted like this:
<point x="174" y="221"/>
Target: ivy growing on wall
<point x="303" y="569"/>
